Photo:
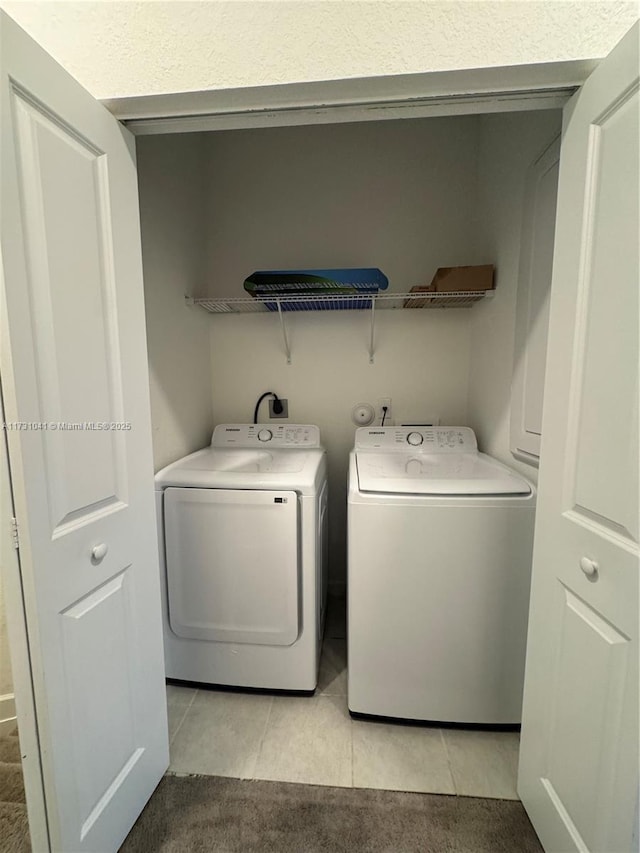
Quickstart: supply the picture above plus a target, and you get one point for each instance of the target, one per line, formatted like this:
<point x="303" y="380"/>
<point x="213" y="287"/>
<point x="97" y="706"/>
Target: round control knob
<point x="265" y="435"/>
<point x="414" y="438"/>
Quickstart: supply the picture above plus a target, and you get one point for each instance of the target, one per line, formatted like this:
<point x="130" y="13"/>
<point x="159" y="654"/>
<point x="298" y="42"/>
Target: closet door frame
<point x="475" y="91"/>
<point x="470" y="91"/>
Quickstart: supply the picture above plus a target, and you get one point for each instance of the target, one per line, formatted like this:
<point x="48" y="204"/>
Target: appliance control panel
<point x="440" y="439"/>
<point x="266" y="435"/>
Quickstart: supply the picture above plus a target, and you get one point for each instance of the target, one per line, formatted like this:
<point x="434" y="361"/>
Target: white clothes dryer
<point x="439" y="566"/>
<point x="242" y="529"/>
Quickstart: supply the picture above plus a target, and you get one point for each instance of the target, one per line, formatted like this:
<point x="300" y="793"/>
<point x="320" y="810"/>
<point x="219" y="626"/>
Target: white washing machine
<point x="242" y="531"/>
<point x="439" y="566"/>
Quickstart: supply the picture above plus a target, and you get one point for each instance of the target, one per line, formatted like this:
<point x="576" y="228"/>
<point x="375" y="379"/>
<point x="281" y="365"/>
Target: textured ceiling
<point x="133" y="48"/>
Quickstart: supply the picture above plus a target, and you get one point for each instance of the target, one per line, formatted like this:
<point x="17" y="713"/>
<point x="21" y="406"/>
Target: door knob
<point x="589" y="567"/>
<point x="99" y="552"/>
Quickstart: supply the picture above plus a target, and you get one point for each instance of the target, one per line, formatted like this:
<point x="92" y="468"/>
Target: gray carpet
<point x="14" y="825"/>
<point x="209" y="813"/>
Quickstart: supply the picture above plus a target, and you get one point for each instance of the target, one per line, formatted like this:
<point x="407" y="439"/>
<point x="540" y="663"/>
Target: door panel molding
<point x="605" y="339"/>
<point x="37" y="134"/>
<point x="601" y="688"/>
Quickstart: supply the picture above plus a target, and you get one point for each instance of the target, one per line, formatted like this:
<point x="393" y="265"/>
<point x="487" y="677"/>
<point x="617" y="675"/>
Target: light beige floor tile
<point x="483" y="764"/>
<point x="332" y="678"/>
<point x="400" y="758"/>
<point x="307" y="740"/>
<point x="178" y="701"/>
<point x="221" y="734"/>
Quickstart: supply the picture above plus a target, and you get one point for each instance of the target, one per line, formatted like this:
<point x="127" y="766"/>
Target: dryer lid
<point x="424" y="473"/>
<point x="246" y="468"/>
<point x="244" y="461"/>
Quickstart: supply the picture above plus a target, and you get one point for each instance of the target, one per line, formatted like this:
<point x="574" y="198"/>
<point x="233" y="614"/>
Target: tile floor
<point x="314" y="740"/>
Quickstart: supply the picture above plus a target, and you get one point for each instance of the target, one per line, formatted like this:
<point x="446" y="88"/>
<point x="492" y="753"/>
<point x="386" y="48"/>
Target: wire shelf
<point x="281" y="305"/>
<point x="339" y="302"/>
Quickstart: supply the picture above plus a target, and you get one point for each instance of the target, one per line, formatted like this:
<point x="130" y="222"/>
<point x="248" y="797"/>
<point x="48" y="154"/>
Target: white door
<point x="578" y="775"/>
<point x="74" y="357"/>
<point x="232" y="565"/>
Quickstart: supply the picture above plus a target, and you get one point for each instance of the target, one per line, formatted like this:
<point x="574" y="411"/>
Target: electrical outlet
<point x="388" y="417"/>
<point x="285" y="409"/>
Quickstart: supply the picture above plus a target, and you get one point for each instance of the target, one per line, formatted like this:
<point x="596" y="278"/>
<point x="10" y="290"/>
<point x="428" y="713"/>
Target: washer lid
<point x="423" y="473"/>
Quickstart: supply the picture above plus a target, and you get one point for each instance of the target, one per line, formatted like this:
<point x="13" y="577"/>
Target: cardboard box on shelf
<point x="454" y="280"/>
<point x="460" y="279"/>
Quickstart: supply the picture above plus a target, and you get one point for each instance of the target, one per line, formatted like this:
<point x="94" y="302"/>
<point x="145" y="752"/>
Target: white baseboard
<point x="8" y="720"/>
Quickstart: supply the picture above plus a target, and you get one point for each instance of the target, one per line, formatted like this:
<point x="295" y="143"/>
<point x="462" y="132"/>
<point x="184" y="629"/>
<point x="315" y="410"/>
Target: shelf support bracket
<point x="283" y="328"/>
<point x="373" y="330"/>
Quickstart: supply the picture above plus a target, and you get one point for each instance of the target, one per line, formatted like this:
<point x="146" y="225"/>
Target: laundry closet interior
<point x="407" y="196"/>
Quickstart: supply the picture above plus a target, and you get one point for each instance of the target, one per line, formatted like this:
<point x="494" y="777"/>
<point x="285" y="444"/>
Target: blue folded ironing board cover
<point x="317" y="283"/>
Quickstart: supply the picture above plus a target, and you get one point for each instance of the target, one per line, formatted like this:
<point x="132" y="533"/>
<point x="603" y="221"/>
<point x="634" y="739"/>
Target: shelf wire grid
<point x="339" y="302"/>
